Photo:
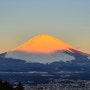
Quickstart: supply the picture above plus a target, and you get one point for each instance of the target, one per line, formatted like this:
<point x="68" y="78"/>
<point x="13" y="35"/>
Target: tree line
<point x="7" y="86"/>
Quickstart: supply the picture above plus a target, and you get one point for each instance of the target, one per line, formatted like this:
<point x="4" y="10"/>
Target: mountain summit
<point x="42" y="43"/>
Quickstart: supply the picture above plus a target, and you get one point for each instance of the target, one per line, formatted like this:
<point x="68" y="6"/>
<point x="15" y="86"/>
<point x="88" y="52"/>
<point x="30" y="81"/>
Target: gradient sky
<point x="68" y="20"/>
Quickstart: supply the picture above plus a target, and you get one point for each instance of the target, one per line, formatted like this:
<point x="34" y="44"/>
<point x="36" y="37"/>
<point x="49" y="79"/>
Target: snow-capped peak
<point x="43" y="48"/>
<point x="42" y="43"/>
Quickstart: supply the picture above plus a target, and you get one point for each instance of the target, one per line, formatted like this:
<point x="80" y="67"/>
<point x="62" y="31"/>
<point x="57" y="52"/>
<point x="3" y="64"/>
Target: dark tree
<point x="8" y="86"/>
<point x="5" y="86"/>
<point x="19" y="86"/>
<point x="1" y="85"/>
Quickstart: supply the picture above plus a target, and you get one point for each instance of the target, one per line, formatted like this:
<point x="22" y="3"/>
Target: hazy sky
<point x="68" y="20"/>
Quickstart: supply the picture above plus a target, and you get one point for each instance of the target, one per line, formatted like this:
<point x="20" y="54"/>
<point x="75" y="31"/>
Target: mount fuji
<point x="44" y="53"/>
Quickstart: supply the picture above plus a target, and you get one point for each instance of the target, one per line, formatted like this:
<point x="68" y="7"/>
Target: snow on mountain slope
<point x="41" y="58"/>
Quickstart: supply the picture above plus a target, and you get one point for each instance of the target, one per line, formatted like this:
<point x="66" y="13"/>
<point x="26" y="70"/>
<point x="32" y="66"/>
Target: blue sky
<point x="68" y="20"/>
